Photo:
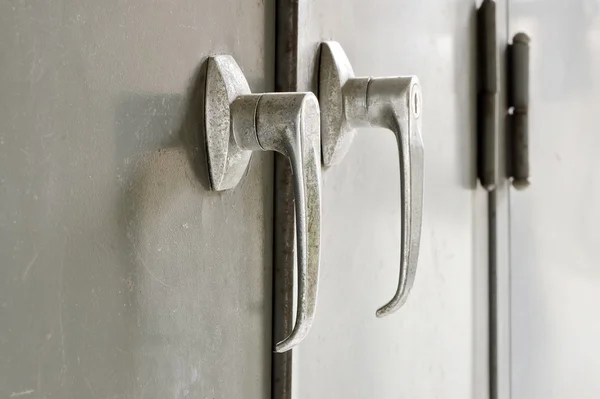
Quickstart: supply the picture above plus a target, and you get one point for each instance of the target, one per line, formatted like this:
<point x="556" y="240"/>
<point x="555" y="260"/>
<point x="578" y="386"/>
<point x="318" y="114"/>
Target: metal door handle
<point x="394" y="103"/>
<point x="238" y="122"/>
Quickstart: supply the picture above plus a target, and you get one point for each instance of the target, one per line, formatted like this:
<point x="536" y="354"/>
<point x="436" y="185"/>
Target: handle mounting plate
<point x="334" y="71"/>
<point x="227" y="161"/>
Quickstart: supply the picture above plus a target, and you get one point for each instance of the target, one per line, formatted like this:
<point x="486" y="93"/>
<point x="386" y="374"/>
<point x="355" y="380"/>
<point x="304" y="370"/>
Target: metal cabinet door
<point x="436" y="345"/>
<point x="554" y="239"/>
<point x="121" y="275"/>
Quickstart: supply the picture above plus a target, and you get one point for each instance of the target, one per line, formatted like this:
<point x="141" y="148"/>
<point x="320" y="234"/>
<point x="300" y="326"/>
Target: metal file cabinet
<point x="124" y="274"/>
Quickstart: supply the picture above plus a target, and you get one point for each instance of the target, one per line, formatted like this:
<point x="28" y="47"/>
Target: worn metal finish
<point x="394" y="103"/>
<point x="122" y="275"/>
<point x="287" y="123"/>
<point x="227" y="160"/>
<point x="518" y="102"/>
<point x="487" y="74"/>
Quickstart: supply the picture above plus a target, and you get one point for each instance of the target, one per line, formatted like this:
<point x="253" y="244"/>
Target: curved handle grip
<point x="237" y="123"/>
<point x="394" y="103"/>
<point x="289" y="123"/>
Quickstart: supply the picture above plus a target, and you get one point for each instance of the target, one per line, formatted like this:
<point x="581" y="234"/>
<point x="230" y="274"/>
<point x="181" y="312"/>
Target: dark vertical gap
<point x="508" y="345"/>
<point x="499" y="294"/>
<point x="286" y="56"/>
<point x="493" y="297"/>
<point x="487" y="162"/>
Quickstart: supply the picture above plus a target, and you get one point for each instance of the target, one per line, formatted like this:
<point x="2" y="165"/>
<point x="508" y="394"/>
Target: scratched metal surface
<point x="554" y="236"/>
<point x="121" y="276"/>
<point x="436" y="345"/>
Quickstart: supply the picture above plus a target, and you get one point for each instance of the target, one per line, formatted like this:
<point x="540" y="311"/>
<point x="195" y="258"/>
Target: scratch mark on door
<point x="31" y="263"/>
<point x="87" y="382"/>
<point x="15" y="394"/>
<point x="152" y="275"/>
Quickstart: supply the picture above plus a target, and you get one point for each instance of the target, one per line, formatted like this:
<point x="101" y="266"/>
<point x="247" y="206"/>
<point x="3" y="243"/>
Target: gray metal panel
<point x="555" y="265"/>
<point x="121" y="276"/>
<point x="436" y="345"/>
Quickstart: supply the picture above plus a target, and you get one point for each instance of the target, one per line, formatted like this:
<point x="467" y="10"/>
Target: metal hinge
<point x="518" y="106"/>
<point x="487" y="88"/>
<point x="517" y="102"/>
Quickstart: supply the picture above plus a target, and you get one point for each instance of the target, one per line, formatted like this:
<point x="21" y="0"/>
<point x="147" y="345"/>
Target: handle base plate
<point x="334" y="71"/>
<point x="227" y="162"/>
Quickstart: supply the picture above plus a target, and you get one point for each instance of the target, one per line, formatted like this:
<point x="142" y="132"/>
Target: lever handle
<point x="394" y="103"/>
<point x="237" y="123"/>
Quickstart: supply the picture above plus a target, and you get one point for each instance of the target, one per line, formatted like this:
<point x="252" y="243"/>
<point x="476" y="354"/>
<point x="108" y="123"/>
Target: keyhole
<point x="417" y="105"/>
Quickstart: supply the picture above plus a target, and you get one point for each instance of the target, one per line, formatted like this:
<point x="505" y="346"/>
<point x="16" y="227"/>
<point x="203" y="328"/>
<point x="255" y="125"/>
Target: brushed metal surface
<point x="121" y="274"/>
